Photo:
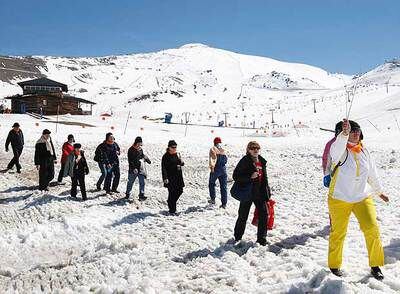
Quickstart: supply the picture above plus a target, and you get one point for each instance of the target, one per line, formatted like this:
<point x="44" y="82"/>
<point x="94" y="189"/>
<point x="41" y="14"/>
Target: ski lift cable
<point x="353" y="94"/>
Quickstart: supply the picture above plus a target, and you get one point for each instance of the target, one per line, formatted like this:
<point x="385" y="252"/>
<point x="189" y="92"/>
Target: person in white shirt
<point x="354" y="183"/>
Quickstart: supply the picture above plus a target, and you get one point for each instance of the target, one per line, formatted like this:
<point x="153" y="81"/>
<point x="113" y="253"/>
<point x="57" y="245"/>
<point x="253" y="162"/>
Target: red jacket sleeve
<point x="66" y="150"/>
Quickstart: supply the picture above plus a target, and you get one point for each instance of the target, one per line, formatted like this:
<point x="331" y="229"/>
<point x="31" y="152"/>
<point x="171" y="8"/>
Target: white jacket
<point x="357" y="178"/>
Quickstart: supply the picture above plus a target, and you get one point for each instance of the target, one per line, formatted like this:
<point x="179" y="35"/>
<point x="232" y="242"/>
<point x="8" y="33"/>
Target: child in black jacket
<point x="76" y="167"/>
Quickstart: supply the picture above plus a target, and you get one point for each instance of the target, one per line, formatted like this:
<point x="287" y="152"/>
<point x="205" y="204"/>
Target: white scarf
<point x="47" y="142"/>
<point x="78" y="158"/>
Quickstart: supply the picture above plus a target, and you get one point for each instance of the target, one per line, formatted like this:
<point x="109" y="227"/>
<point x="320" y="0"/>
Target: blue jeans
<point x="131" y="180"/>
<point x="103" y="170"/>
<point x="112" y="175"/>
<point x="223" y="179"/>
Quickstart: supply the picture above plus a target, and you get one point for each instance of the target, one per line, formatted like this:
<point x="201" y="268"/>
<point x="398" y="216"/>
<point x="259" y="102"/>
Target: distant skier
<point x="137" y="168"/>
<point x="67" y="149"/>
<point x="45" y="158"/>
<point x="217" y="164"/>
<point x="348" y="193"/>
<point x="251" y="170"/>
<point x="110" y="152"/>
<point x="171" y="169"/>
<point x="16" y="139"/>
<point x="76" y="167"/>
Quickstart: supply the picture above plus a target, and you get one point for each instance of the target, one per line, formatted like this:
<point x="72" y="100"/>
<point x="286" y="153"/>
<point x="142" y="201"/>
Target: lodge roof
<point x="43" y="82"/>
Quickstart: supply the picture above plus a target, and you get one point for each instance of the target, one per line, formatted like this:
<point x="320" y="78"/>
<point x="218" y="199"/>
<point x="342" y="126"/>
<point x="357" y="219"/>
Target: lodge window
<point x="42" y="88"/>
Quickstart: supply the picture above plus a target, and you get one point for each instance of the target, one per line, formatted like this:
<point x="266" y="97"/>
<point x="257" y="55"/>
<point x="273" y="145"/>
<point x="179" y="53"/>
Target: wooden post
<point x="313" y="100"/>
<point x="58" y="111"/>
<point x="127" y="119"/>
<point x="226" y="119"/>
<point x="272" y="115"/>
<point x="297" y="131"/>
<point x="397" y="123"/>
<point x="187" y="114"/>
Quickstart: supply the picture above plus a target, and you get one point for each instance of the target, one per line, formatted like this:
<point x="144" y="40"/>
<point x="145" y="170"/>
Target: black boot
<point x="377" y="273"/>
<point x="142" y="197"/>
<point x="337" y="272"/>
<point x="262" y="241"/>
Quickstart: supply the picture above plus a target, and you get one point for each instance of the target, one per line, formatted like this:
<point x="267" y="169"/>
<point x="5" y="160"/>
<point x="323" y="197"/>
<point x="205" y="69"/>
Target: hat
<point x="108" y="135"/>
<point x="217" y="140"/>
<point x="338" y="128"/>
<point x="15" y="125"/>
<point x="138" y="140"/>
<point x="71" y="137"/>
<point x="77" y="146"/>
<point x="46" y="132"/>
<point x="353" y="126"/>
<point x="172" y="143"/>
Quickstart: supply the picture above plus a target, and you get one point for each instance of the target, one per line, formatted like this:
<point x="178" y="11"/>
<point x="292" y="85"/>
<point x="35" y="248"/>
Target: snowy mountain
<point x="190" y="73"/>
<point x="206" y="82"/>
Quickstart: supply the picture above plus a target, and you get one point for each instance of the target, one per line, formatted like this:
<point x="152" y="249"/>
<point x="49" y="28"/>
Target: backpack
<point x="97" y="153"/>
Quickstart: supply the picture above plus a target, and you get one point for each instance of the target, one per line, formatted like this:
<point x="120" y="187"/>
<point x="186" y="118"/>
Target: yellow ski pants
<point x="339" y="212"/>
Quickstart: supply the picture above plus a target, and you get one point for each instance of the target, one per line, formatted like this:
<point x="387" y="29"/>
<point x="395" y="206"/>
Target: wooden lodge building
<point x="48" y="97"/>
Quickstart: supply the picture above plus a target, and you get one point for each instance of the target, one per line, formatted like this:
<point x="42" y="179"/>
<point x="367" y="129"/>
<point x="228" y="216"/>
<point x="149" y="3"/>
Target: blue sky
<point x="340" y="36"/>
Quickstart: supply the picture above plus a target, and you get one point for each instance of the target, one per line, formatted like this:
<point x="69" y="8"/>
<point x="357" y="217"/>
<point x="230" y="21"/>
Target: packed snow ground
<point x="49" y="242"/>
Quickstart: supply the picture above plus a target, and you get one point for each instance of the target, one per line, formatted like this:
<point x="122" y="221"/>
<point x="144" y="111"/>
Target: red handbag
<point x="271" y="215"/>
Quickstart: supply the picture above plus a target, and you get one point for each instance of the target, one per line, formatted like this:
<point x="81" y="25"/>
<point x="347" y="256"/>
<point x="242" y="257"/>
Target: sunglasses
<point x="254" y="148"/>
<point x="172" y="147"/>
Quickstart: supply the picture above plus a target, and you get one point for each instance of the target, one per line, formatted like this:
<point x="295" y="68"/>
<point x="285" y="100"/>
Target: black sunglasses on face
<point x="172" y="147"/>
<point x="254" y="148"/>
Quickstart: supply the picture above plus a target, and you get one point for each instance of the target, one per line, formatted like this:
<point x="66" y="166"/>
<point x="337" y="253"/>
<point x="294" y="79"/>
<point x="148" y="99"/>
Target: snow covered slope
<point x="209" y="83"/>
<point x="52" y="243"/>
<point x="189" y="74"/>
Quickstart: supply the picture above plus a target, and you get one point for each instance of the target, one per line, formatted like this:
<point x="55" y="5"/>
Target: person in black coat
<point x="76" y="167"/>
<point x="45" y="158"/>
<point x="252" y="169"/>
<point x="171" y="169"/>
<point x="109" y="154"/>
<point x="16" y="139"/>
<point x="137" y="168"/>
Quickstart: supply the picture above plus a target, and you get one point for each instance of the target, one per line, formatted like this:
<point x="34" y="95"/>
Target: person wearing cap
<point x="16" y="139"/>
<point x="76" y="167"/>
<point x="45" y="157"/>
<point x="217" y="164"/>
<point x="67" y="149"/>
<point x="171" y="170"/>
<point x="251" y="170"/>
<point x="349" y="193"/>
<point x="110" y="152"/>
<point x="137" y="168"/>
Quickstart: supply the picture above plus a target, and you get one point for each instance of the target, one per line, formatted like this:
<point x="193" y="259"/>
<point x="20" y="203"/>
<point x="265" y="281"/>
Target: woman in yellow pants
<point x="353" y="168"/>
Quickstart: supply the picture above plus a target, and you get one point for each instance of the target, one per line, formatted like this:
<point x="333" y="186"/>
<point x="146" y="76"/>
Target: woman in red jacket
<point x="67" y="149"/>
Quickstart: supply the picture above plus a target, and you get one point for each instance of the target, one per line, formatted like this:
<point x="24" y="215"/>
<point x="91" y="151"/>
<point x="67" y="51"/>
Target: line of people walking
<point x="349" y="173"/>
